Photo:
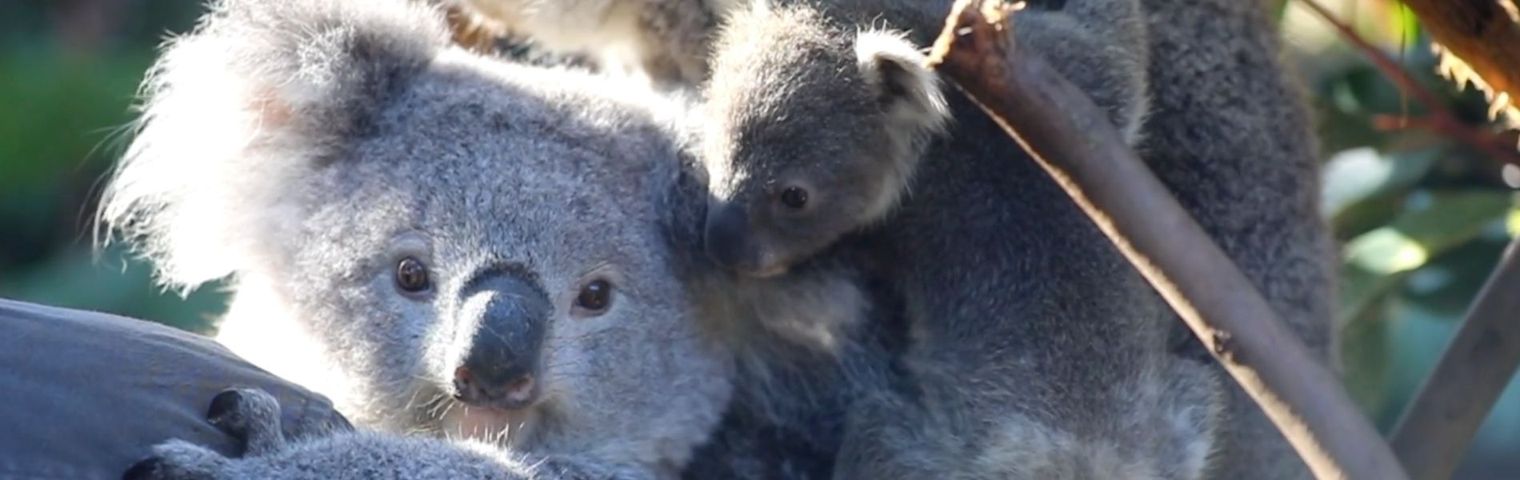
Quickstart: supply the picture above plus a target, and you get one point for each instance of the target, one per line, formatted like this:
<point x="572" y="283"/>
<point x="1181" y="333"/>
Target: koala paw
<point x="177" y="460"/>
<point x="250" y="416"/>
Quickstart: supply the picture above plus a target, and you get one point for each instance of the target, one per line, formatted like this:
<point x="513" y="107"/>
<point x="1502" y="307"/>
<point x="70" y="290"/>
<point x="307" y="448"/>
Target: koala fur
<point x="1034" y="349"/>
<point x="667" y="40"/>
<point x="1229" y="132"/>
<point x="853" y="177"/>
<point x="252" y="417"/>
<point x="408" y="226"/>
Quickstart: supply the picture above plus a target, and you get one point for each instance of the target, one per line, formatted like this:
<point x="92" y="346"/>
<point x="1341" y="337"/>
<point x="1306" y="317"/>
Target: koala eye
<point x="594" y="297"/>
<point x="412" y="275"/>
<point x="794" y="198"/>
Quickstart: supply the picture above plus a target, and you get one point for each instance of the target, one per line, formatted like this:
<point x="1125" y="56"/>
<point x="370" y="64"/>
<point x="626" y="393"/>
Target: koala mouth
<point x="518" y="393"/>
<point x="767" y="270"/>
<point x="492" y="424"/>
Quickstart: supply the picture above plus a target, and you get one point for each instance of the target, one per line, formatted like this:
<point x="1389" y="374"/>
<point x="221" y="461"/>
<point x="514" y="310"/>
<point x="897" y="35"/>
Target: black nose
<point x="503" y="359"/>
<point x="725" y="234"/>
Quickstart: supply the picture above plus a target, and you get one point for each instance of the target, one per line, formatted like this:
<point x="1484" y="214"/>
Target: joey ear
<point x="908" y="91"/>
<point x="235" y="110"/>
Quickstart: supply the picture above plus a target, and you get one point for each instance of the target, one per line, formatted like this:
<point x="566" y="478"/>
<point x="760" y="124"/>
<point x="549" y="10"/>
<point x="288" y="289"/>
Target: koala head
<point x="476" y="246"/>
<point x="812" y="131"/>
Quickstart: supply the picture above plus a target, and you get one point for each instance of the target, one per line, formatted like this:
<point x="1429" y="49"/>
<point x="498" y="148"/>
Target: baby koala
<point x="441" y="242"/>
<point x="667" y="40"/>
<point x="827" y="147"/>
<point x="1034" y="350"/>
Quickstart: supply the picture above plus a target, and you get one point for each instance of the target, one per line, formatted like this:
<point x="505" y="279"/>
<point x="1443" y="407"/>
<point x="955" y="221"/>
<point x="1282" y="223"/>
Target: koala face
<point x="476" y="246"/>
<point x="497" y="277"/>
<point x="813" y="131"/>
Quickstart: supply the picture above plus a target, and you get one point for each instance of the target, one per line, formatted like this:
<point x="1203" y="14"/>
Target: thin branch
<point x="1495" y="145"/>
<point x="1441" y="420"/>
<point x="1075" y="143"/>
<point x="1440" y="116"/>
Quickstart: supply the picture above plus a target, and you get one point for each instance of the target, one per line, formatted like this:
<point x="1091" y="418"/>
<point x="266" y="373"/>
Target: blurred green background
<point x="1422" y="217"/>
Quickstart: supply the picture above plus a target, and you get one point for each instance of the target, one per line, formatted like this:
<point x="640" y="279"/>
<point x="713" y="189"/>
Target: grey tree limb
<point x="1074" y="142"/>
<point x="1439" y="424"/>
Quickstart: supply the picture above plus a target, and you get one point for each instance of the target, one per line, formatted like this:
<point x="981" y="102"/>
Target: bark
<point x="1484" y="35"/>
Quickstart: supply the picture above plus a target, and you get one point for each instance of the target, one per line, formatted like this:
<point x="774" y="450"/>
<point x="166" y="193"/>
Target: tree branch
<point x="1073" y="141"/>
<point x="1440" y="422"/>
<point x="1441" y="119"/>
<point x="1482" y="34"/>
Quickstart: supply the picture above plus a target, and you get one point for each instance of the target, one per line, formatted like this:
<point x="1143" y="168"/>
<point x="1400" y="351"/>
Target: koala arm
<point x="253" y="416"/>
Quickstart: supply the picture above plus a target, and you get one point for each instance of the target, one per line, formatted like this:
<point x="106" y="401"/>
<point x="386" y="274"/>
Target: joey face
<point x="812" y="130"/>
<point x="767" y="226"/>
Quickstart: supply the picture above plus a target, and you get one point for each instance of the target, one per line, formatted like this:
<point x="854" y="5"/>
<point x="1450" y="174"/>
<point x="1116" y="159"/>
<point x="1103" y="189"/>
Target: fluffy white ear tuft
<point x="908" y="90"/>
<point x="237" y="109"/>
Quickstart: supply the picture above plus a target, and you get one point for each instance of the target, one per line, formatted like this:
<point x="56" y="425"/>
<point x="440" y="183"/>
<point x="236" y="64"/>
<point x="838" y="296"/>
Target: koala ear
<point x="235" y="110"/>
<point x="909" y="92"/>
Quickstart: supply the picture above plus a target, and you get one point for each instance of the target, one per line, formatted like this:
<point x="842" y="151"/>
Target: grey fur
<point x="268" y="455"/>
<point x="301" y="148"/>
<point x="1031" y="355"/>
<point x="1230" y="133"/>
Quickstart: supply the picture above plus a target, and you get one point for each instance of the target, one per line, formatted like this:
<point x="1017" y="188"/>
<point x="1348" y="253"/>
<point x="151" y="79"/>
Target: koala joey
<point x="440" y="242"/>
<point x="785" y="190"/>
<point x="667" y="40"/>
<point x="1034" y="349"/>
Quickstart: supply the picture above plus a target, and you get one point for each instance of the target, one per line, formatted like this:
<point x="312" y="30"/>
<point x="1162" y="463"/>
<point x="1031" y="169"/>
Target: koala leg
<point x="675" y="38"/>
<point x="178" y="460"/>
<point x="900" y="432"/>
<point x="251" y="416"/>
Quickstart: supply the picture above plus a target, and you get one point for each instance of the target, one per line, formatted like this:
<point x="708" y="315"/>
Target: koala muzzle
<point x="730" y="242"/>
<point x="725" y="236"/>
<point x="502" y="364"/>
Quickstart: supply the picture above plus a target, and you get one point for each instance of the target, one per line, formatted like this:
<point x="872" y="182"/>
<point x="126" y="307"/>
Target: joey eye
<point x="412" y="275"/>
<point x="594" y="297"/>
<point x="794" y="198"/>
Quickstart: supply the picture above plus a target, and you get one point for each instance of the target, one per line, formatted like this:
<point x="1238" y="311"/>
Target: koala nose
<point x="724" y="235"/>
<point x="500" y="367"/>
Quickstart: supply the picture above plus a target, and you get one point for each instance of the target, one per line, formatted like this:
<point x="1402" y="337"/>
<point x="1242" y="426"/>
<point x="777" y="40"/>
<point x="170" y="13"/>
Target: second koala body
<point x="1035" y="351"/>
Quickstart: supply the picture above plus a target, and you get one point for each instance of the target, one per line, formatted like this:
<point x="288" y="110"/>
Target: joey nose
<point x="725" y="234"/>
<point x="501" y="366"/>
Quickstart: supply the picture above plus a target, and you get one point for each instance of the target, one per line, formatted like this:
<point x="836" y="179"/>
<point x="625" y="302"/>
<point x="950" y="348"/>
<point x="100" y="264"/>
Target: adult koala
<point x="440" y="242"/>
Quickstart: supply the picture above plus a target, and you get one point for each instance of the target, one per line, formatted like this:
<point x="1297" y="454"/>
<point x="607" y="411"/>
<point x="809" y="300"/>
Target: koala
<point x="442" y="243"/>
<point x="786" y="190"/>
<point x="1033" y="349"/>
<point x="666" y="40"/>
<point x="1229" y="132"/>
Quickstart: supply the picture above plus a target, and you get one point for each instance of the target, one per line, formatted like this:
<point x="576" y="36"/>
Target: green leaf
<point x="1448" y="284"/>
<point x="1379" y="260"/>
